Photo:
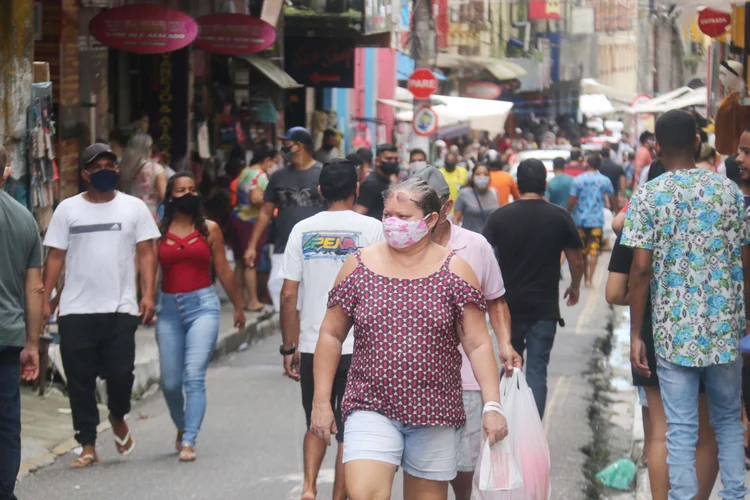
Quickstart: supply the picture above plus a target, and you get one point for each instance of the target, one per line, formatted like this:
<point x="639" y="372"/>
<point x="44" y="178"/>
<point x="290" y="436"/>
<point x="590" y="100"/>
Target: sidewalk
<point x="47" y="428"/>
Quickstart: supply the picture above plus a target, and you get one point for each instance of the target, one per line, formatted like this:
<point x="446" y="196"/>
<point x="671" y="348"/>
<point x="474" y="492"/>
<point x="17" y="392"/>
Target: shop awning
<point x="591" y="86"/>
<point x="277" y="75"/>
<point x="595" y="105"/>
<point x="694" y="98"/>
<point x="661" y="99"/>
<point x="502" y="69"/>
<point x="481" y="114"/>
<point x="405" y="67"/>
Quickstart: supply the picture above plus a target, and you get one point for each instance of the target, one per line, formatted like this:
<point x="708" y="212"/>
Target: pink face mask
<point x="404" y="233"/>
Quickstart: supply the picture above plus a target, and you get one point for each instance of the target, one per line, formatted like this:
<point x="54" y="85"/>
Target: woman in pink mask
<point x="411" y="303"/>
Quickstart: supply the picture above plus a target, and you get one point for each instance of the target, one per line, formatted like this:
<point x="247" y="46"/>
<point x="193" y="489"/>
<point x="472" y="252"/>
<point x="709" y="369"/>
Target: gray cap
<point x="97" y="150"/>
<point x="435" y="179"/>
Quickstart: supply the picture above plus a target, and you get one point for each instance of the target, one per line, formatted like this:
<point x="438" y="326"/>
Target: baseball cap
<point x="337" y="175"/>
<point x="435" y="179"/>
<point x="355" y="159"/>
<point x="97" y="150"/>
<point x="299" y="134"/>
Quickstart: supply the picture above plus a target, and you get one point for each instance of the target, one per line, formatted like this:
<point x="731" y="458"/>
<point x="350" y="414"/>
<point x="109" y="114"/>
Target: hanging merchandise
<point x="42" y="169"/>
<point x="732" y="118"/>
<point x="204" y="148"/>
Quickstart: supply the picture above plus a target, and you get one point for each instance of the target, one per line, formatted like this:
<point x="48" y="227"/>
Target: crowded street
<point x="374" y="250"/>
<point x="250" y="442"/>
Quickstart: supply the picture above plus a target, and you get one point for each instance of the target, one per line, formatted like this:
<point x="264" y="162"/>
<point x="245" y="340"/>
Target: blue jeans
<point x="537" y="338"/>
<point x="186" y="332"/>
<point x="10" y="420"/>
<point x="679" y="394"/>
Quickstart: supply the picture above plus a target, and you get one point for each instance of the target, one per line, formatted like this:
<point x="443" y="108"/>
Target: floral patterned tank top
<point x="406" y="364"/>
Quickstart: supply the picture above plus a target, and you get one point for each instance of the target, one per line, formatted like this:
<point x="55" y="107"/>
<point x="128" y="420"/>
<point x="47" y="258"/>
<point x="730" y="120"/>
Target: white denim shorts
<point x="470" y="436"/>
<point x="426" y="452"/>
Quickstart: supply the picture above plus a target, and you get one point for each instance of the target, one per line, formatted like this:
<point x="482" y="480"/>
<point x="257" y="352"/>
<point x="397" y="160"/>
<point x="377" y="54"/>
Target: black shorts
<point x="307" y="383"/>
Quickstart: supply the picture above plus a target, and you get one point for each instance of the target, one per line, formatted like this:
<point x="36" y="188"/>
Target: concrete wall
<point x="16" y="77"/>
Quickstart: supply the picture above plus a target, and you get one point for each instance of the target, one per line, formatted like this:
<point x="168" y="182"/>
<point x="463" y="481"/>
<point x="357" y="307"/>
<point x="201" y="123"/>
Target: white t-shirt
<point x="314" y="255"/>
<point x="100" y="240"/>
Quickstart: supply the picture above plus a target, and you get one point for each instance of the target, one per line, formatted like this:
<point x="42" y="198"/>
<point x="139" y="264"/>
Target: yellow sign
<point x="737" y="29"/>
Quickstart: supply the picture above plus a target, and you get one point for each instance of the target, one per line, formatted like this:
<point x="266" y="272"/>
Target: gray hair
<point x="422" y="194"/>
<point x="136" y="153"/>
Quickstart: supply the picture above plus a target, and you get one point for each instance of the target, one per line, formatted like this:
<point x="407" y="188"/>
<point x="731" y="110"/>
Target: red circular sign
<point x="232" y="34"/>
<point x="714" y="23"/>
<point x="424" y="122"/>
<point x="145" y="29"/>
<point x="422" y="83"/>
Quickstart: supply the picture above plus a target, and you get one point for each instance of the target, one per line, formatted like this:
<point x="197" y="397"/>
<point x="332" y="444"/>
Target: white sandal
<point x="122" y="444"/>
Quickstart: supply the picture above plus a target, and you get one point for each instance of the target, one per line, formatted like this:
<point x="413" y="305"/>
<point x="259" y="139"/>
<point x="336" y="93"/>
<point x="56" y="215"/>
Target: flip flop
<point x="121" y="444"/>
<point x="187" y="454"/>
<point x="84" y="461"/>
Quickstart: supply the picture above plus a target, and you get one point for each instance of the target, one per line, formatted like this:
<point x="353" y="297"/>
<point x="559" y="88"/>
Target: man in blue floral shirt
<point x="690" y="246"/>
<point x="587" y="200"/>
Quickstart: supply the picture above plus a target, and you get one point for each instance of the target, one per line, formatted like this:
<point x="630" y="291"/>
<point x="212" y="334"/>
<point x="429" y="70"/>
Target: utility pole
<point x="423" y="53"/>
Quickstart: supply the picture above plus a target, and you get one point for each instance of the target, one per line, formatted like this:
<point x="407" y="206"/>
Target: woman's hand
<point x="495" y="427"/>
<point x="323" y="422"/>
<point x="239" y="319"/>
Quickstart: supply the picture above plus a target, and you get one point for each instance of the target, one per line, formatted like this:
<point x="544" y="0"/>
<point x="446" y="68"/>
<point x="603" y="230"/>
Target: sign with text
<point x="320" y="62"/>
<point x="378" y="16"/>
<point x="144" y="29"/>
<point x="545" y="9"/>
<point x="714" y="23"/>
<point x="422" y="83"/>
<point x="233" y="34"/>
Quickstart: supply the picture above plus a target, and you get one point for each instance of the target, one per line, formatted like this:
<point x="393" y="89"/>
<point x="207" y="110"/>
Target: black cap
<point x="338" y="174"/>
<point x="299" y="134"/>
<point x="355" y="159"/>
<point x="96" y="151"/>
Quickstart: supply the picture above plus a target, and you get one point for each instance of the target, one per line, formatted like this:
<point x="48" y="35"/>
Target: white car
<point x="544" y="155"/>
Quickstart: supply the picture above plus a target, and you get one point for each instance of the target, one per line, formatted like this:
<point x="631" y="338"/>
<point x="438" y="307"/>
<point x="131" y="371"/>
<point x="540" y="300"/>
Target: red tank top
<point x="186" y="264"/>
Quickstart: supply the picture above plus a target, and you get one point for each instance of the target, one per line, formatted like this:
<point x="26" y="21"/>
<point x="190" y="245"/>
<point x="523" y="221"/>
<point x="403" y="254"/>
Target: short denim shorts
<point x="426" y="452"/>
<point x="470" y="436"/>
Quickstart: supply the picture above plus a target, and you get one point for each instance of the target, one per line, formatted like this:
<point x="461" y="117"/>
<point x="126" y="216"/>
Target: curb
<point x="147" y="374"/>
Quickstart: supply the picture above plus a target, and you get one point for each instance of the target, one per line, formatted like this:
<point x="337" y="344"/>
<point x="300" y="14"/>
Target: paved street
<point x="250" y="445"/>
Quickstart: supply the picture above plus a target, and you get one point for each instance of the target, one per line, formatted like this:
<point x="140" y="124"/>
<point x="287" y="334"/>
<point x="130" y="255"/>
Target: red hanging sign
<point x="233" y="34"/>
<point x="714" y="23"/>
<point x="422" y="83"/>
<point x="545" y="9"/>
<point x="144" y="29"/>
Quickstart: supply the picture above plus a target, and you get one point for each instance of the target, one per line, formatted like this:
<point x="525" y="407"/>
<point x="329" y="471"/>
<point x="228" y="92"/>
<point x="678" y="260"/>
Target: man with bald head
<point x="21" y="310"/>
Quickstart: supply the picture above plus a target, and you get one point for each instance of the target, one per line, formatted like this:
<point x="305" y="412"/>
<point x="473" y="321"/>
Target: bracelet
<point x="493" y="406"/>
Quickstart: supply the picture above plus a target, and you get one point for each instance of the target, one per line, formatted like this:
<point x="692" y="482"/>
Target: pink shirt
<point x="474" y="249"/>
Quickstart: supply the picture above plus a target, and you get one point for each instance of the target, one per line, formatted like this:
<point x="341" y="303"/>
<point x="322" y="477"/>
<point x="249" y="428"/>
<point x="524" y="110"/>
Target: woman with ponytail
<point x="188" y="324"/>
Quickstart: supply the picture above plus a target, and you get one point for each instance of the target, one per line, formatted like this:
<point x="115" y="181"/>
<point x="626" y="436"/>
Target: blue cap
<point x="299" y="134"/>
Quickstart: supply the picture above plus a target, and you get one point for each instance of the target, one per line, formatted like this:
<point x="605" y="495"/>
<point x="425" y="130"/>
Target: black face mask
<point x="390" y="167"/>
<point x="285" y="150"/>
<point x="450" y="167"/>
<point x="189" y="204"/>
<point x="104" y="180"/>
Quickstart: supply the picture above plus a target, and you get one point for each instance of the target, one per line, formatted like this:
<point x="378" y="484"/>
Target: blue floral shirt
<point x="693" y="221"/>
<point x="590" y="188"/>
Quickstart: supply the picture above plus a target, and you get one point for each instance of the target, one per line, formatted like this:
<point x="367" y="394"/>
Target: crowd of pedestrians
<point x="386" y="279"/>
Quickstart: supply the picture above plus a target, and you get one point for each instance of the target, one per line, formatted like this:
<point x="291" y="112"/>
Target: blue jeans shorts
<point x="426" y="452"/>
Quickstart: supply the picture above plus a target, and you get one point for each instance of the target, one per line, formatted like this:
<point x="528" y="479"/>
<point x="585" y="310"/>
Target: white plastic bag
<point x="526" y="440"/>
<point x="496" y="472"/>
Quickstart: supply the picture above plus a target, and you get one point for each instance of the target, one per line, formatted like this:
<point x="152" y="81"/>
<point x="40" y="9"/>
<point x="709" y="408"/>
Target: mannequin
<point x="731" y="117"/>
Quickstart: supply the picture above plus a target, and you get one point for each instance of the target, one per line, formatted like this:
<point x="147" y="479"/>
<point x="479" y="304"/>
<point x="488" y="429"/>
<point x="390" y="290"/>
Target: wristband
<point x="493" y="406"/>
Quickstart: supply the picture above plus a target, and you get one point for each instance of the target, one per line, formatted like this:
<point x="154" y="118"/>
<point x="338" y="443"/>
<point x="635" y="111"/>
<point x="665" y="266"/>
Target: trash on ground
<point x="618" y="475"/>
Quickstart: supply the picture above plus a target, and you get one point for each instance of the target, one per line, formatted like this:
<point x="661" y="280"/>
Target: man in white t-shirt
<point x="317" y="248"/>
<point x="97" y="236"/>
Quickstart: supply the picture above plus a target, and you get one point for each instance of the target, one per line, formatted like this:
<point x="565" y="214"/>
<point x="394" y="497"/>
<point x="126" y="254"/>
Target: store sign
<point x="545" y="9"/>
<point x="483" y="90"/>
<point x="422" y="83"/>
<point x="378" y="16"/>
<point x="425" y="121"/>
<point x="234" y="34"/>
<point x="714" y="23"/>
<point x="320" y="62"/>
<point x="144" y="29"/>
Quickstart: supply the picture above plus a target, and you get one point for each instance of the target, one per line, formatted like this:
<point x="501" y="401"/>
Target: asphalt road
<point x="250" y="446"/>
